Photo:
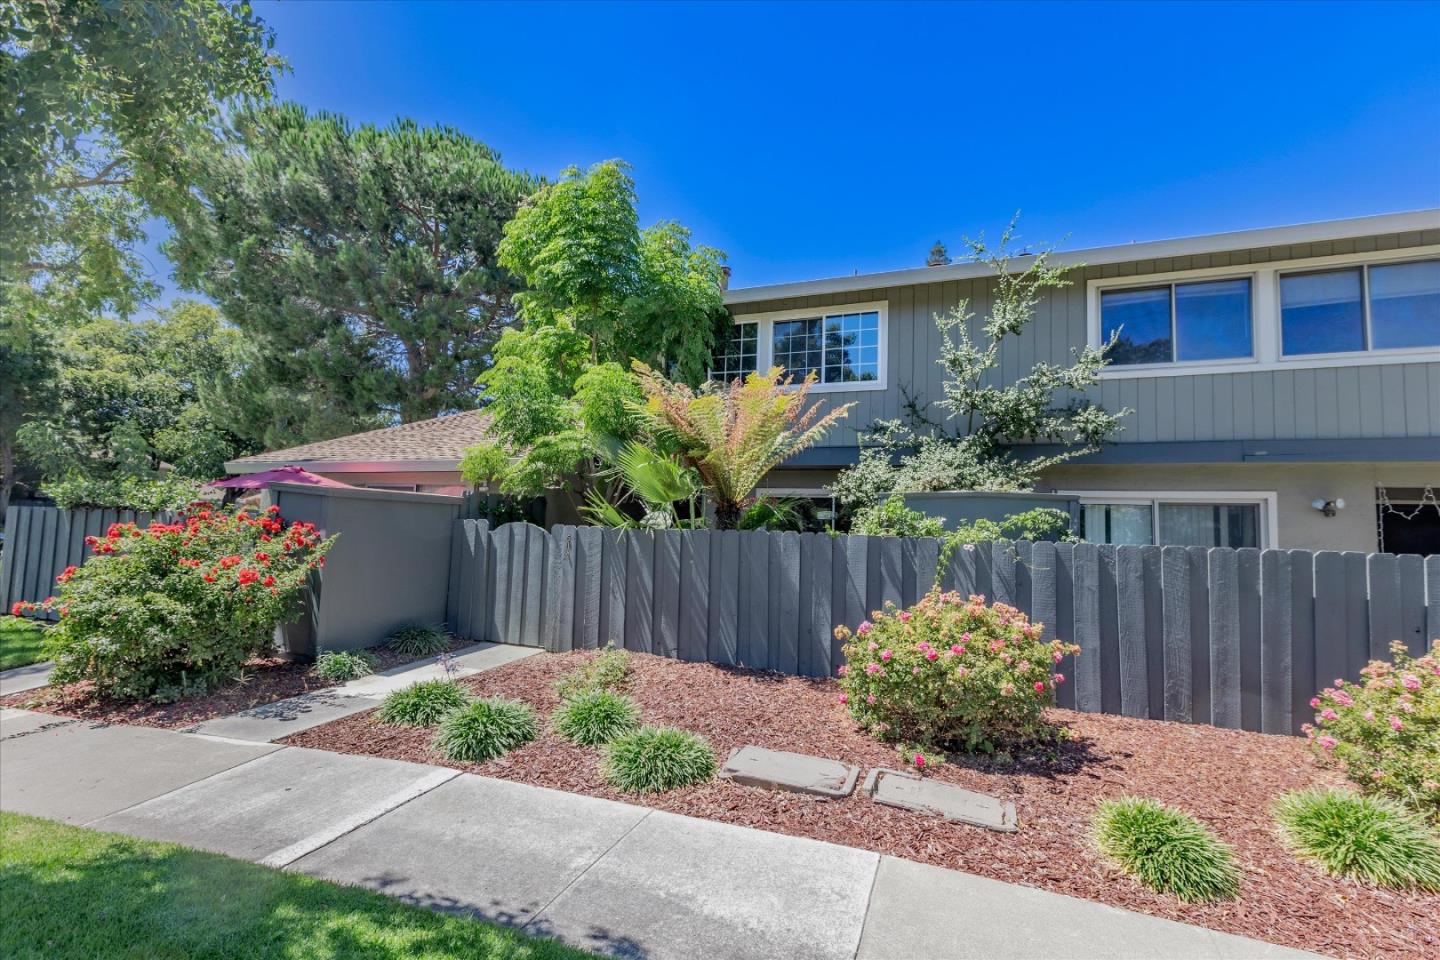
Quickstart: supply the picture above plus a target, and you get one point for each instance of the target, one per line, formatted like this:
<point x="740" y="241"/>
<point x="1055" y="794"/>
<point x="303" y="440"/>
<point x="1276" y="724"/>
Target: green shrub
<point x="173" y="609"/>
<point x="484" y="729"/>
<point x="607" y="670"/>
<point x="893" y="519"/>
<point x="418" y="640"/>
<point x="596" y="716"/>
<point x="422" y="704"/>
<point x="1384" y="733"/>
<point x="1367" y="838"/>
<point x="651" y="759"/>
<point x="951" y="673"/>
<point x="1166" y="849"/>
<point x="344" y="664"/>
<point x="152" y="494"/>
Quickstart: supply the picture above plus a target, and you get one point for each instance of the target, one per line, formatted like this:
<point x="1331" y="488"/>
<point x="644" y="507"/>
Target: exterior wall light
<point x="1328" y="507"/>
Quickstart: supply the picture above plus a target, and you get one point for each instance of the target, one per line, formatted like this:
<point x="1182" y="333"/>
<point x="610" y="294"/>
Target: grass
<point x="422" y="704"/>
<point x="21" y="642"/>
<point x="76" y="894"/>
<point x="652" y="759"/>
<point x="608" y="670"/>
<point x="484" y="729"/>
<point x="1166" y="849"/>
<point x="418" y="640"/>
<point x="344" y="664"/>
<point x="593" y="717"/>
<point x="1370" y="839"/>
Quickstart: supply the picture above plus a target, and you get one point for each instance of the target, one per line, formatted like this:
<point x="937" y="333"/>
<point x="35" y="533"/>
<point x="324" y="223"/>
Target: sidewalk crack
<point x="581" y="875"/>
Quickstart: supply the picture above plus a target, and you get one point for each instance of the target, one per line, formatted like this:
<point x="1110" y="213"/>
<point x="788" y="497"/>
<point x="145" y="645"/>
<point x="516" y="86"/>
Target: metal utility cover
<point x="796" y="772"/>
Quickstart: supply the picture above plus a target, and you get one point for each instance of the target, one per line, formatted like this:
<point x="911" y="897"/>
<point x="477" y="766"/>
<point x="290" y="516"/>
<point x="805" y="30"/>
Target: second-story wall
<point x="1356" y="396"/>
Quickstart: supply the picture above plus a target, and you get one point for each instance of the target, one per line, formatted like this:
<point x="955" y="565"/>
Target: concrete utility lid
<point x="796" y="772"/>
<point x="909" y="792"/>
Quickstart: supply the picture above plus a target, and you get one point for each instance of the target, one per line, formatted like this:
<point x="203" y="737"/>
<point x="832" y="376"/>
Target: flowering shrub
<point x="169" y="610"/>
<point x="950" y="672"/>
<point x="1385" y="731"/>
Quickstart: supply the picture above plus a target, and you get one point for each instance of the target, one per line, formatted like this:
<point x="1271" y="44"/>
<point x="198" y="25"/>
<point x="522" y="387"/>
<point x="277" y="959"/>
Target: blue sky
<point x="814" y="139"/>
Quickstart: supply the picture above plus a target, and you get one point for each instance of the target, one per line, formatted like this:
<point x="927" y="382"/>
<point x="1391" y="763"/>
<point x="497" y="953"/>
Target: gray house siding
<point x="1396" y="400"/>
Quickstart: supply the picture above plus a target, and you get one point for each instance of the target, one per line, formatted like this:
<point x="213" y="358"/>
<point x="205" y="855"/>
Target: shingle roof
<point x="440" y="439"/>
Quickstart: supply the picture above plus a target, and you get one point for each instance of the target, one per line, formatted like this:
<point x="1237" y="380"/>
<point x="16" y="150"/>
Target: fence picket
<point x="1412" y="604"/>
<point x="784" y="613"/>
<point x="1383" y="572"/>
<point x="1086" y="570"/>
<point x="1065" y="619"/>
<point x="589" y="586"/>
<point x="612" y="588"/>
<point x="1224" y="639"/>
<point x="639" y="591"/>
<point x="817" y="617"/>
<point x="754" y="598"/>
<point x="1130" y="617"/>
<point x="1176" y="620"/>
<point x="694" y="624"/>
<point x="1247" y="582"/>
<point x="724" y="604"/>
<point x="1276" y="629"/>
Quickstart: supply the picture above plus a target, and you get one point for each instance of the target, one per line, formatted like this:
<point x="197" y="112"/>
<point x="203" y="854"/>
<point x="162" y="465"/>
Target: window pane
<point x="797" y="346"/>
<point x="1142" y="318"/>
<point x="1117" y="523"/>
<point x="1210" y="524"/>
<point x="736" y="356"/>
<point x="1405" y="305"/>
<point x="851" y="348"/>
<point x="1321" y="312"/>
<point x="1212" y="320"/>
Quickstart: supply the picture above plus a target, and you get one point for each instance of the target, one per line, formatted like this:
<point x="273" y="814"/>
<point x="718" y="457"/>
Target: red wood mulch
<point x="1226" y="778"/>
<point x="266" y="681"/>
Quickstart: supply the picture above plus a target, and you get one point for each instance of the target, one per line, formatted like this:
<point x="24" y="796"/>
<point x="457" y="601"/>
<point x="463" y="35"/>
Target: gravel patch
<point x="1226" y="778"/>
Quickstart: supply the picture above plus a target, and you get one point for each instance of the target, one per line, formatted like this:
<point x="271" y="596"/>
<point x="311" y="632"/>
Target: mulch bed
<point x="266" y="680"/>
<point x="1227" y="778"/>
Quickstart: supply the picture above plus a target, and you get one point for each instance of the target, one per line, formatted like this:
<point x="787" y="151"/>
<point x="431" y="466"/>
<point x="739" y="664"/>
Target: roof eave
<point x="344" y="466"/>
<point x="1406" y="222"/>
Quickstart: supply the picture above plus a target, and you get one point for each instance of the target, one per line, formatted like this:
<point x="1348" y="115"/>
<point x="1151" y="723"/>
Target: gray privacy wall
<point x="1236" y="638"/>
<point x="40" y="542"/>
<point x="389" y="567"/>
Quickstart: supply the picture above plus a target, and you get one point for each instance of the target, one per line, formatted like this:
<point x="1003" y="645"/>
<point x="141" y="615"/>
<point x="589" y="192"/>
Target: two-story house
<point x="1284" y="383"/>
<point x="1273" y="375"/>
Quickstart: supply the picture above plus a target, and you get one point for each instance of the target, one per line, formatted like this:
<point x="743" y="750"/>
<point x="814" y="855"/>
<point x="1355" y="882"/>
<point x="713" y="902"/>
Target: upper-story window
<point x="843" y="346"/>
<point x="1205" y="320"/>
<point x="837" y="348"/>
<point x="1372" y="307"/>
<point x="1388" y="306"/>
<point x="737" y="356"/>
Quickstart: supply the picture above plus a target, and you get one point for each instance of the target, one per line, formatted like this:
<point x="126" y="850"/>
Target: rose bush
<point x="952" y="672"/>
<point x="1384" y="732"/>
<point x="171" y="609"/>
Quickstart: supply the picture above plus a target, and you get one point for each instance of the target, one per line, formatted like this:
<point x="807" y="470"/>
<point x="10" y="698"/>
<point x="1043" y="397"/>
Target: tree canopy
<point x="359" y="262"/>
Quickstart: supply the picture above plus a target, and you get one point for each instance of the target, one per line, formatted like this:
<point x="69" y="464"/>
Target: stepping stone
<point x="909" y="792"/>
<point x="796" y="772"/>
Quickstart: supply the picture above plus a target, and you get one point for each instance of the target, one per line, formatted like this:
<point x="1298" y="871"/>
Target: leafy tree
<point x="27" y="384"/>
<point x="984" y="451"/>
<point x="360" y="262"/>
<point x="732" y="435"/>
<point x="630" y="293"/>
<point x="127" y="397"/>
<point x="108" y="101"/>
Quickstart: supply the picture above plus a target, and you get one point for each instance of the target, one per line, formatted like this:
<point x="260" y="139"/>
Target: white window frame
<point x="1267" y="500"/>
<point x="765" y="347"/>
<point x="1264" y="315"/>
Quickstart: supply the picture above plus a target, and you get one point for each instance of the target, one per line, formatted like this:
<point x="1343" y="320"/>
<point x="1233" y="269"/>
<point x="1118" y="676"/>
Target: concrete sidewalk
<point x="611" y="877"/>
<point x="29" y="677"/>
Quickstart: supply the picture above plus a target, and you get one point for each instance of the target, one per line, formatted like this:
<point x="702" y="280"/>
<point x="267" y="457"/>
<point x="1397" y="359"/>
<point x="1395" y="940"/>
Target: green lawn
<point x="68" y="892"/>
<point x="20" y="642"/>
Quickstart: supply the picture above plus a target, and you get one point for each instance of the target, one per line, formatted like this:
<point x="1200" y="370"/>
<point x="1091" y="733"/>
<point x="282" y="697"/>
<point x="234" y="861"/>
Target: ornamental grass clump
<point x="173" y="609"/>
<point x="1384" y="732"/>
<point x="418" y="640"/>
<point x="422" y="704"/>
<point x="344" y="665"/>
<point x="485" y="729"/>
<point x="952" y="673"/>
<point x="607" y="670"/>
<point x="1370" y="839"/>
<point x="594" y="717"/>
<point x="652" y="759"/>
<point x="1166" y="849"/>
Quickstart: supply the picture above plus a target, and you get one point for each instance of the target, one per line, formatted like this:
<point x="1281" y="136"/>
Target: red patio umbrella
<point x="263" y="479"/>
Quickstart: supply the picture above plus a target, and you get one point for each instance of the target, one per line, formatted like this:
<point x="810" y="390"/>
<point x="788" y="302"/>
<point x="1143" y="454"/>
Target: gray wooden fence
<point x="1235" y="638"/>
<point x="40" y="542"/>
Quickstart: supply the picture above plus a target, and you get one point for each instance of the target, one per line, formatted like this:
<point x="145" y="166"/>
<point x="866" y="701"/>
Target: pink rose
<point x="1410" y="681"/>
<point x="844" y="698"/>
<point x="1327" y="743"/>
<point x="1328" y="714"/>
<point x="842" y="670"/>
<point x="932" y="655"/>
<point x="903" y="616"/>
<point x="886" y="655"/>
<point x="872" y="668"/>
<point x="919" y="761"/>
<point x="865" y="627"/>
<point x="1039" y="687"/>
<point x="1058" y="678"/>
<point x="870" y="698"/>
<point x="1314" y="701"/>
<point x="1057" y="656"/>
<point x="1396" y="724"/>
<point x="957" y="649"/>
<point x="1370" y="715"/>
